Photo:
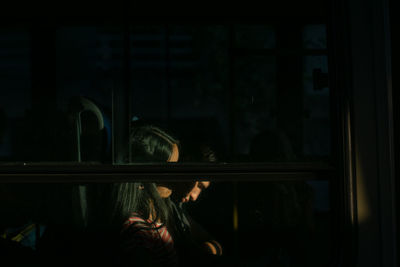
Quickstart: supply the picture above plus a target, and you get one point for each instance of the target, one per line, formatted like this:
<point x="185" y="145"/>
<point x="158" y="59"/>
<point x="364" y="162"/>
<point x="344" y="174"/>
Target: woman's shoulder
<point x="136" y="232"/>
<point x="153" y="237"/>
<point x="135" y="218"/>
<point x="140" y="228"/>
<point x="136" y="223"/>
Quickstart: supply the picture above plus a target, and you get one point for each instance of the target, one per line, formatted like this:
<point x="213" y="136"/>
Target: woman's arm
<point x="203" y="238"/>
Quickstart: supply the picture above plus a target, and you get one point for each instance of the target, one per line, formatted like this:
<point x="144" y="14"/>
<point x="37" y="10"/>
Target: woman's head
<point x="116" y="202"/>
<point x="151" y="144"/>
<point x="190" y="191"/>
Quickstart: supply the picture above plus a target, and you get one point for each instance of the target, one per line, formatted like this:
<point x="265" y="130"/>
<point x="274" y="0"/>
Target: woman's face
<point x="195" y="191"/>
<point x="184" y="191"/>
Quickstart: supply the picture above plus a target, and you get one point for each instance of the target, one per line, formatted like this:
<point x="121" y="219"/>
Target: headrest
<point x="92" y="130"/>
<point x="80" y="104"/>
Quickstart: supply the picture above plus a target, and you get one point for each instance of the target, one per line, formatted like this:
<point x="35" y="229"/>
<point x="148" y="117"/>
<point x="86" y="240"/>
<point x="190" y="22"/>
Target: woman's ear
<point x="174" y="157"/>
<point x="164" y="190"/>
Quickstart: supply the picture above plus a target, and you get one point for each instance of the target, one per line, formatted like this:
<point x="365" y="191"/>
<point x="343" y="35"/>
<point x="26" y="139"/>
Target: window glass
<point x="255" y="223"/>
<point x="255" y="36"/>
<point x="15" y="84"/>
<point x="316" y="129"/>
<point x="248" y="92"/>
<point x="89" y="73"/>
<point x="239" y="102"/>
<point x="314" y="36"/>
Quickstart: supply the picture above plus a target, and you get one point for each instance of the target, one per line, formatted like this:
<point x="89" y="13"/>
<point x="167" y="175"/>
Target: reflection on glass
<point x="268" y="104"/>
<point x="316" y="133"/>
<point x="279" y="223"/>
<point x="255" y="36"/>
<point x="255" y="101"/>
<point x="15" y="84"/>
<point x="314" y="36"/>
<point x="148" y="60"/>
<point x="290" y="220"/>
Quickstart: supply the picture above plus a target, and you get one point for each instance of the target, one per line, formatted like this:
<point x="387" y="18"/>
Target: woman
<point x="151" y="233"/>
<point x="137" y="212"/>
<point x="146" y="230"/>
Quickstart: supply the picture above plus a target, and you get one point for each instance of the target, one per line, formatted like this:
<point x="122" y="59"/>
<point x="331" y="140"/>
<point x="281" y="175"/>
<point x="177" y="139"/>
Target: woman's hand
<point x="212" y="247"/>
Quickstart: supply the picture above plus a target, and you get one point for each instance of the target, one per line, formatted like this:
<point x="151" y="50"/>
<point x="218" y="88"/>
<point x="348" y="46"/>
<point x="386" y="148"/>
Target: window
<point x="255" y="93"/>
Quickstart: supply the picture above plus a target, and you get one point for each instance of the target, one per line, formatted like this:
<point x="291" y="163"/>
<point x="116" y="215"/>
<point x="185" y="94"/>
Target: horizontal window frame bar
<point x="75" y="173"/>
<point x="109" y="19"/>
<point x="156" y="177"/>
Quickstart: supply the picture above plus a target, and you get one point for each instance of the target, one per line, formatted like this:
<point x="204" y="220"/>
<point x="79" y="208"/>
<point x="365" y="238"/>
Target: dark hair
<point x="150" y="144"/>
<point x="117" y="201"/>
<point x="198" y="152"/>
<point x="208" y="154"/>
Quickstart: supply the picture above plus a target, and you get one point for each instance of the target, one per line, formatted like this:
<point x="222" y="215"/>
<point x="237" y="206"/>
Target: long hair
<point x="150" y="144"/>
<point x="117" y="201"/>
<point x="114" y="203"/>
